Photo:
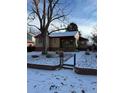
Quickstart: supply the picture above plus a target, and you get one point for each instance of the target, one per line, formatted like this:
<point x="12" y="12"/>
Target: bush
<point x="30" y="48"/>
<point x="87" y="52"/>
<point x="35" y="56"/>
<point x="57" y="52"/>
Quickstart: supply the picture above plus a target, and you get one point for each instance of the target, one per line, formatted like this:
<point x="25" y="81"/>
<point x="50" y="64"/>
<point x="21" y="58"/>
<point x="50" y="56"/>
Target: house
<point x="64" y="40"/>
<point x="83" y="43"/>
<point x="30" y="39"/>
<point x="68" y="41"/>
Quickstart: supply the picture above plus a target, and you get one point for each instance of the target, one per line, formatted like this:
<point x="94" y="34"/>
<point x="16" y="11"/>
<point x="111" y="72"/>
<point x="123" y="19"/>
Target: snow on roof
<point x="63" y="34"/>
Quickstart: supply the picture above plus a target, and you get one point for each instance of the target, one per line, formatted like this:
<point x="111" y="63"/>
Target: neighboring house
<point x="82" y="43"/>
<point x="30" y="39"/>
<point x="30" y="43"/>
<point x="68" y="41"/>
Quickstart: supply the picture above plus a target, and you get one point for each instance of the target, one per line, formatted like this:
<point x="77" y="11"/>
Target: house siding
<point x="38" y="43"/>
<point x="55" y="42"/>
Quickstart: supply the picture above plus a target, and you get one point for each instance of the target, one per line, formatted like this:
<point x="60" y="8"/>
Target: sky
<point x="83" y="13"/>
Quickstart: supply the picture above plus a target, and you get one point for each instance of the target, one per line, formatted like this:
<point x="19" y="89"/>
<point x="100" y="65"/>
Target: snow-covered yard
<point x="59" y="81"/>
<point x="86" y="61"/>
<point x="42" y="59"/>
<point x="82" y="60"/>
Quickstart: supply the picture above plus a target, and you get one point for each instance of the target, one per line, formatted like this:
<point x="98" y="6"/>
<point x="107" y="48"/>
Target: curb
<point x="85" y="71"/>
<point x="45" y="67"/>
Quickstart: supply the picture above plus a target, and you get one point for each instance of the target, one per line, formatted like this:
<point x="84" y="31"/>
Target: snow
<point x="70" y="61"/>
<point x="63" y="80"/>
<point x="86" y="61"/>
<point x="42" y="59"/>
<point x="63" y="34"/>
<point x="59" y="81"/>
<point x="82" y="60"/>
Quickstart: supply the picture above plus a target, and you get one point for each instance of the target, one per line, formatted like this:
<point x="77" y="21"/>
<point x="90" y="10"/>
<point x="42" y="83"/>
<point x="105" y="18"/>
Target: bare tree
<point x="46" y="11"/>
<point x="94" y="35"/>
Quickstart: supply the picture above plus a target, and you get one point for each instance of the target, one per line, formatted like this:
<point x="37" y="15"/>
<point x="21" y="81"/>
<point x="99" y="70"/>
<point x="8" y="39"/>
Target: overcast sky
<point x="83" y="13"/>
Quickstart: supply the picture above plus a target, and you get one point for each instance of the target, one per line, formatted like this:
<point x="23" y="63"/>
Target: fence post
<point x="61" y="55"/>
<point x="74" y="60"/>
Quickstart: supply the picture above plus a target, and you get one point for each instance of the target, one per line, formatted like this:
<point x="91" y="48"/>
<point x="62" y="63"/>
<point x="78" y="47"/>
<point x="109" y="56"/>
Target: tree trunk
<point x="45" y="42"/>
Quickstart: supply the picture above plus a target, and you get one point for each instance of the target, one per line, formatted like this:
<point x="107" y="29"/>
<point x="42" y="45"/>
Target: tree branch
<point x="58" y="17"/>
<point x="55" y="4"/>
<point x="34" y="26"/>
<point x="37" y="12"/>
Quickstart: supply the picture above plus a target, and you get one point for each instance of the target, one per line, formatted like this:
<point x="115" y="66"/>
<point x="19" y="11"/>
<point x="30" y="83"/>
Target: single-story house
<point x="68" y="41"/>
<point x="64" y="40"/>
